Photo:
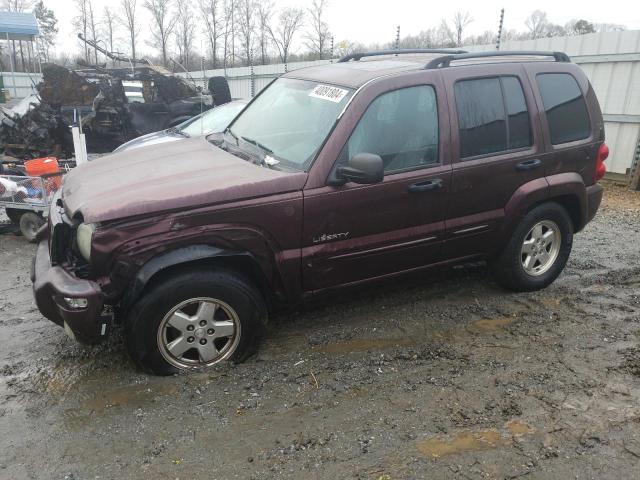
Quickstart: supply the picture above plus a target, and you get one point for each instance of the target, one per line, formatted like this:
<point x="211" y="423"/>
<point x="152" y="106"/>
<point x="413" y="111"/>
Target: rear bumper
<point x="594" y="197"/>
<point x="51" y="284"/>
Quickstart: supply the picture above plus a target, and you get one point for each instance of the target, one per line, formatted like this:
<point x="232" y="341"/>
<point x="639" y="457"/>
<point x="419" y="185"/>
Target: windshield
<point x="291" y="119"/>
<point x="214" y="120"/>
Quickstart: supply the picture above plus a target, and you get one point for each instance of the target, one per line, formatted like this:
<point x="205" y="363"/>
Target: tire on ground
<point x="219" y="89"/>
<point x="30" y="223"/>
<point x="144" y="318"/>
<point x="507" y="268"/>
<point x="14" y="215"/>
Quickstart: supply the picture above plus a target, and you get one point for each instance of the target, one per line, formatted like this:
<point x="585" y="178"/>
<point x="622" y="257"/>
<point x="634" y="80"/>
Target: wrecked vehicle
<point x="333" y="176"/>
<point x="212" y="121"/>
<point x="112" y="106"/>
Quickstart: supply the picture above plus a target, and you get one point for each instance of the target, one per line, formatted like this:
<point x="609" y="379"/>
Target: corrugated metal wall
<point x="240" y="77"/>
<point x="24" y="83"/>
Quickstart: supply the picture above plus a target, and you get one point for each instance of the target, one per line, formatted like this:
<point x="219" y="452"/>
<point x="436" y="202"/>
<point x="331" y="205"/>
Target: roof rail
<point x="443" y="62"/>
<point x="358" y="56"/>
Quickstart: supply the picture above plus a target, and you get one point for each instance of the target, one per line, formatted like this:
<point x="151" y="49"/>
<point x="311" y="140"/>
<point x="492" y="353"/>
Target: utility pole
<point x="635" y="169"/>
<point x="500" y="29"/>
<point x="331" y="49"/>
<point x="233" y="35"/>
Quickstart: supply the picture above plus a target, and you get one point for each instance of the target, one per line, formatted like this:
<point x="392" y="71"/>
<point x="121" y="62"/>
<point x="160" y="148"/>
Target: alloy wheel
<point x="198" y="332"/>
<point x="540" y="247"/>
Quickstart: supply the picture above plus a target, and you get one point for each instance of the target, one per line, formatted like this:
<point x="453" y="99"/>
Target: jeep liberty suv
<point x="333" y="176"/>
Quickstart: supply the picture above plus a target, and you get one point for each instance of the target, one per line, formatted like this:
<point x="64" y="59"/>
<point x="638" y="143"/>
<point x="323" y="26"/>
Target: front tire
<point x="538" y="250"/>
<point x="194" y="320"/>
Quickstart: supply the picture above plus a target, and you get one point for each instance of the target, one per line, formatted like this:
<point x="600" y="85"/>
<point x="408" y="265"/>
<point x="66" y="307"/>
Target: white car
<point x="212" y="121"/>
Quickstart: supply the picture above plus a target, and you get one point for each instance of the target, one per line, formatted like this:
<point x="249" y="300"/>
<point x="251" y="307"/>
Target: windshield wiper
<point x="258" y="144"/>
<point x="235" y="137"/>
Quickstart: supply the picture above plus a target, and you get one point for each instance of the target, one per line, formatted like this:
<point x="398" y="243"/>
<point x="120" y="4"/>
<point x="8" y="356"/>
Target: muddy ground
<point x="443" y="377"/>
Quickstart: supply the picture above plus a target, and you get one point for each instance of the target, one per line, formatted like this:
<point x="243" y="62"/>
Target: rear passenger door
<point x="495" y="150"/>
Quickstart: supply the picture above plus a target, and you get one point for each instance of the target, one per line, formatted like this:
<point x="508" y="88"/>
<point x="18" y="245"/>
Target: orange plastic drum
<point x="43" y="166"/>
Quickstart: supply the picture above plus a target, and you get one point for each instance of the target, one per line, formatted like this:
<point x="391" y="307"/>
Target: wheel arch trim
<point x="175" y="258"/>
<point x="559" y="187"/>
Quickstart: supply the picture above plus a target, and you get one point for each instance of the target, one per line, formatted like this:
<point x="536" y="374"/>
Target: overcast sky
<point x="369" y="21"/>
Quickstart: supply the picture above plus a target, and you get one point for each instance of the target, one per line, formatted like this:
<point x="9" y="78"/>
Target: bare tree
<point x="318" y="35"/>
<point x="17" y="5"/>
<point x="228" y="33"/>
<point x="129" y="22"/>
<point x="460" y="22"/>
<point x="609" y="27"/>
<point x="246" y="23"/>
<point x="213" y="15"/>
<point x="290" y="20"/>
<point x="81" y="22"/>
<point x="109" y="26"/>
<point x="537" y="24"/>
<point x="185" y="31"/>
<point x="93" y="28"/>
<point x="445" y="37"/>
<point x="163" y="24"/>
<point x="265" y="10"/>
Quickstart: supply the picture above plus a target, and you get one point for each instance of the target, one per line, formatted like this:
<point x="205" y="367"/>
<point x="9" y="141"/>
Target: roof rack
<point x="358" y="56"/>
<point x="443" y="62"/>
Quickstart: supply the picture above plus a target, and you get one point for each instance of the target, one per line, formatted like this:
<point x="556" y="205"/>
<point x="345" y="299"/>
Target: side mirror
<point x="365" y="168"/>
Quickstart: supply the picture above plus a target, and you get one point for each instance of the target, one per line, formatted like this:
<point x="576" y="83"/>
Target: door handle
<point x="528" y="165"/>
<point x="425" y="186"/>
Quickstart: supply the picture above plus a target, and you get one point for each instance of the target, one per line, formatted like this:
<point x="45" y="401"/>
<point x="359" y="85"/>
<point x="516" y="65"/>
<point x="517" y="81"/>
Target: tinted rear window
<point x="492" y="116"/>
<point x="519" y="124"/>
<point x="481" y="117"/>
<point x="565" y="107"/>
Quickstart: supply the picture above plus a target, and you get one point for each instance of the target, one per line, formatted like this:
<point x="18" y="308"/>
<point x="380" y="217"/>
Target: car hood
<point x="172" y="176"/>
<point x="154" y="138"/>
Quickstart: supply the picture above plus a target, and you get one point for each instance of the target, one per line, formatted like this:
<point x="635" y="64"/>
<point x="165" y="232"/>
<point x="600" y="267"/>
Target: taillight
<point x="601" y="168"/>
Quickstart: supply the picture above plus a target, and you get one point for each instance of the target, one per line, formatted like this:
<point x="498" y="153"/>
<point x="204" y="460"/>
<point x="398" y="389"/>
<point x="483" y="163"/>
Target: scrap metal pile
<point x="112" y="106"/>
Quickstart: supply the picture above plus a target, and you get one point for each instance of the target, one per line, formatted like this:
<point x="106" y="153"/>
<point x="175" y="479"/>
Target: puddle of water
<point x="364" y="344"/>
<point x="131" y="396"/>
<point x="518" y="428"/>
<point x="469" y="441"/>
<point x="493" y="324"/>
<point x="462" y="442"/>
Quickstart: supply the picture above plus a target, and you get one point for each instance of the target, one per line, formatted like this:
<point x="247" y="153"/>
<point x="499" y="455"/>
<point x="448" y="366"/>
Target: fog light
<point x="76" y="303"/>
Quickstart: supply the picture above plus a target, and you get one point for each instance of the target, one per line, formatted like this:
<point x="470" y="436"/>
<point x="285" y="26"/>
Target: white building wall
<point x="20" y="85"/>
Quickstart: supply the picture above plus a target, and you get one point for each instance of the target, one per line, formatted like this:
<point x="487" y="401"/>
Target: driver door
<point x="353" y="232"/>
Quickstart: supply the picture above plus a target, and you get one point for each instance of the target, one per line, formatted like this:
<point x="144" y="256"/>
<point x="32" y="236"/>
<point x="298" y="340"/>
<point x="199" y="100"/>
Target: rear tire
<point x="171" y="327"/>
<point x="538" y="250"/>
<point x="30" y="223"/>
<point x="14" y="215"/>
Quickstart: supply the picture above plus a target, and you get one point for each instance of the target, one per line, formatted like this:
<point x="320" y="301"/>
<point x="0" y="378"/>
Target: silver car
<point x="212" y="121"/>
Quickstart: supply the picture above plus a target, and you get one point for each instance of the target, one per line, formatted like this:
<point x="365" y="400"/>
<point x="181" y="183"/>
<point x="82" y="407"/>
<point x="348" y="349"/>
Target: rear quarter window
<point x="564" y="106"/>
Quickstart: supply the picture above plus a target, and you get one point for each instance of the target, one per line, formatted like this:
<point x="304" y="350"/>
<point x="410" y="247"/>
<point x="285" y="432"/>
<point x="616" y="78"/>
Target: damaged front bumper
<point x="73" y="303"/>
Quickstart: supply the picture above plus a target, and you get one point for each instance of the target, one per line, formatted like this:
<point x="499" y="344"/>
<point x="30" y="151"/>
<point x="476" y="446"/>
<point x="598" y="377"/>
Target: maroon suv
<point x="335" y="175"/>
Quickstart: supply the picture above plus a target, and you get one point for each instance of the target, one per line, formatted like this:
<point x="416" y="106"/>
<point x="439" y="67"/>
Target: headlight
<point x="83" y="239"/>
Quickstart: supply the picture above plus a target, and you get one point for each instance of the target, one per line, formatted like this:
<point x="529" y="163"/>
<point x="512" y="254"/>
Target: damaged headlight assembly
<point x="83" y="239"/>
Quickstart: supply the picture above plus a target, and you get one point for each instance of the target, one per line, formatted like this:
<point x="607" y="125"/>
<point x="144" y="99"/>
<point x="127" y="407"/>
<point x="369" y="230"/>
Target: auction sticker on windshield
<point x="325" y="92"/>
